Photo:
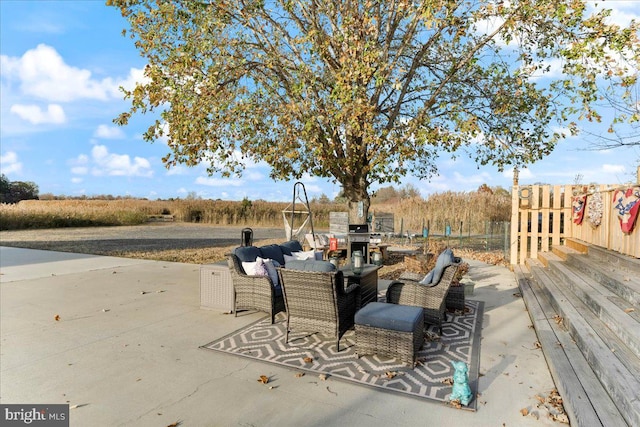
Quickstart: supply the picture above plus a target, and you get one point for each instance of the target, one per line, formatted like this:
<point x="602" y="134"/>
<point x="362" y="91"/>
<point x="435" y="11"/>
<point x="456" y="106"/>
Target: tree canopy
<point x="14" y="191"/>
<point x="368" y="91"/>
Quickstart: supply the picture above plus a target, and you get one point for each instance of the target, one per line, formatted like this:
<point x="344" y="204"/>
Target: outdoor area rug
<point x="430" y="379"/>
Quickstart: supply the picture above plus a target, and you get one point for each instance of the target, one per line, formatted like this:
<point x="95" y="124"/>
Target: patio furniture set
<point x="320" y="298"/>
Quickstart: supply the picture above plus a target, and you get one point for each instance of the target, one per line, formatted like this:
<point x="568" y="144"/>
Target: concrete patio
<point x="124" y="352"/>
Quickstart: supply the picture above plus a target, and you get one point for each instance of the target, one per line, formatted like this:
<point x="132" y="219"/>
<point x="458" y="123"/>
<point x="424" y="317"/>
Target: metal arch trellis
<point x="299" y="191"/>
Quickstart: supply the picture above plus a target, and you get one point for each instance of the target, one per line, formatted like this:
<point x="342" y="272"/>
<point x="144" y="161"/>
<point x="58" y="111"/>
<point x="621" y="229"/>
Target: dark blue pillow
<point x="272" y="252"/>
<point x="444" y="260"/>
<point x="247" y="253"/>
<point x="290" y="246"/>
<point x="310" y="265"/>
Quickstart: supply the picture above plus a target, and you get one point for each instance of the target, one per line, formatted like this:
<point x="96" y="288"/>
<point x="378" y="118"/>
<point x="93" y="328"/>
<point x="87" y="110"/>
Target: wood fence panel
<point x="534" y="220"/>
<point x="515" y="215"/>
<point x="540" y="214"/>
<point x="546" y="214"/>
<point x="557" y="217"/>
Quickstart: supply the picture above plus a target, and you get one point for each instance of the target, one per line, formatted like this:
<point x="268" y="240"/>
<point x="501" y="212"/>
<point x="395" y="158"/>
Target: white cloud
<point x="108" y="132"/>
<point x="622" y="12"/>
<point x="105" y="163"/>
<point x="9" y="163"/>
<point x="76" y="180"/>
<point x="35" y="115"/>
<point x="79" y="170"/>
<point x="218" y="182"/>
<point x="524" y="174"/>
<point x="613" y="168"/>
<point x="178" y="170"/>
<point x="42" y="73"/>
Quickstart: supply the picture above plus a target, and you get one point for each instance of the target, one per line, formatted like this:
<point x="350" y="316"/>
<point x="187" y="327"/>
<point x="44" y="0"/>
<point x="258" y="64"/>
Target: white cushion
<point x="302" y="255"/>
<point x="256" y="268"/>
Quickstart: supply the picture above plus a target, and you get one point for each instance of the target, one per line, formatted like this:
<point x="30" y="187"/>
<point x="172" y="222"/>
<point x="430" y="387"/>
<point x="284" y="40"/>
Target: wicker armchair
<point x="319" y="302"/>
<point x="407" y="291"/>
<point x="253" y="292"/>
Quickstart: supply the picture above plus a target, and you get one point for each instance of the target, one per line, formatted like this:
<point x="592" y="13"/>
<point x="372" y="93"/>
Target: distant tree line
<point x="14" y="191"/>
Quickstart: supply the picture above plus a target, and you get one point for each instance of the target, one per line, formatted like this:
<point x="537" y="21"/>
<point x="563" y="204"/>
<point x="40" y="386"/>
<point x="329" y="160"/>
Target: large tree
<point x="363" y="91"/>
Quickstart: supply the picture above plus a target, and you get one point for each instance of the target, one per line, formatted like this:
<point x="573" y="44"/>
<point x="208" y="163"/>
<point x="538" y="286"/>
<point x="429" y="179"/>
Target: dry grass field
<point x="203" y="231"/>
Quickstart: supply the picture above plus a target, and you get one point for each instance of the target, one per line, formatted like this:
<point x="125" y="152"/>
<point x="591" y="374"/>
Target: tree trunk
<point x="358" y="207"/>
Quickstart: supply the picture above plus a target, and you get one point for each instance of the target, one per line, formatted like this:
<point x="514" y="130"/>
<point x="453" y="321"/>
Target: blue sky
<point x="62" y="64"/>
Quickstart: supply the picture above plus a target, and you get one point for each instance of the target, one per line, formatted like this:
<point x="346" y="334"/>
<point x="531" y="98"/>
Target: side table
<point x="368" y="281"/>
<point x="216" y="287"/>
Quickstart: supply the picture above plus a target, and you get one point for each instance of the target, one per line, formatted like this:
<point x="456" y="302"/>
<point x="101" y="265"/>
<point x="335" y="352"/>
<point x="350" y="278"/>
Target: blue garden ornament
<point x="461" y="390"/>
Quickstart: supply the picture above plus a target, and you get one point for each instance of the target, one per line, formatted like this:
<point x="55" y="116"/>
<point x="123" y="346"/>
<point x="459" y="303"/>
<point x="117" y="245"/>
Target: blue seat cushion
<point x="310" y="265"/>
<point x="394" y="317"/>
<point x="247" y="253"/>
<point x="272" y="252"/>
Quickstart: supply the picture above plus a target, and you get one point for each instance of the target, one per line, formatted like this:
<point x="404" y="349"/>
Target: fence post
<point x="515" y="204"/>
<point x="506" y="238"/>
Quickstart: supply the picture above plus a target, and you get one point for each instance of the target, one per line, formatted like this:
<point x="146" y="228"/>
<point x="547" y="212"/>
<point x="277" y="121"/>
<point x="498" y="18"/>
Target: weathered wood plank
<point x="599" y="401"/>
<point x="575" y="398"/>
<point x="620" y="383"/>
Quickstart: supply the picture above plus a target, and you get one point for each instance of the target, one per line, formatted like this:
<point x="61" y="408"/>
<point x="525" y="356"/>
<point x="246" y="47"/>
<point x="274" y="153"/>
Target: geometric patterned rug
<point x="430" y="379"/>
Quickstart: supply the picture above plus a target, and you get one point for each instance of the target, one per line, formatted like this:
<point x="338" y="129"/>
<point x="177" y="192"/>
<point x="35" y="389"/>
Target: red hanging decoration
<point x="626" y="203"/>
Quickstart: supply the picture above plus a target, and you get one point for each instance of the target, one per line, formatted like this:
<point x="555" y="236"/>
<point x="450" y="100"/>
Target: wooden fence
<point x="542" y="215"/>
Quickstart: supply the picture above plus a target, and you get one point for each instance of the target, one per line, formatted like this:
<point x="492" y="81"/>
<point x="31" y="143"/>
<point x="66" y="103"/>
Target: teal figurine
<point x="461" y="390"/>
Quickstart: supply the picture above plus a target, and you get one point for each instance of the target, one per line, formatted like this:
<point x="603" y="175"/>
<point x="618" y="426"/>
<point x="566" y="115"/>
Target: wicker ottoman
<point x="390" y="330"/>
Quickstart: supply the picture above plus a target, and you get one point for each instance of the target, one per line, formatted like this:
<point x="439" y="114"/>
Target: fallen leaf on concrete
<point x="558" y="319"/>
<point x="57" y="317"/>
<point x="561" y="418"/>
<point x="456" y="404"/>
<point x="537" y="344"/>
<point x="263" y="379"/>
<point x="447" y="381"/>
<point x="390" y="374"/>
<point x="322" y="377"/>
<point x="517" y="295"/>
<point x="629" y="310"/>
<point x="299" y="374"/>
<point x="308" y="359"/>
<point x="524" y="412"/>
<point x="144" y="292"/>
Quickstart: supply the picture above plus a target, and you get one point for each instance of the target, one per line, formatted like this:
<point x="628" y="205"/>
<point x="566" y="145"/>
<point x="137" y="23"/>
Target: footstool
<point x="390" y="330"/>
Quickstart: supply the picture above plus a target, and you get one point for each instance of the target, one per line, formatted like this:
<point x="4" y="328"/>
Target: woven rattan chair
<point x="431" y="298"/>
<point x="318" y="302"/>
<point x="253" y="292"/>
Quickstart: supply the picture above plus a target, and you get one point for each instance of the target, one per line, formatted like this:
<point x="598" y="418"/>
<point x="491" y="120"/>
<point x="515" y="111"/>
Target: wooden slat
<point x="529" y="202"/>
<point x="515" y="209"/>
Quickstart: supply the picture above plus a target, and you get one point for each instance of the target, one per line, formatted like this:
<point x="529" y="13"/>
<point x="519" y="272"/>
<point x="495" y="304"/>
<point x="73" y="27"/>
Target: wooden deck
<point x="584" y="302"/>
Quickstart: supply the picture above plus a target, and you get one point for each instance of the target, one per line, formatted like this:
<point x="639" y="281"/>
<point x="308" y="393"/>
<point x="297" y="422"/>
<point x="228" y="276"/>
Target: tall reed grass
<point x="474" y="209"/>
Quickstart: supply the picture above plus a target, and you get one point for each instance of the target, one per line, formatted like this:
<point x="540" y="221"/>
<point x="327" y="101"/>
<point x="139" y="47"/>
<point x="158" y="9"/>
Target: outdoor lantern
<point x="357" y="262"/>
<point x="377" y="258"/>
